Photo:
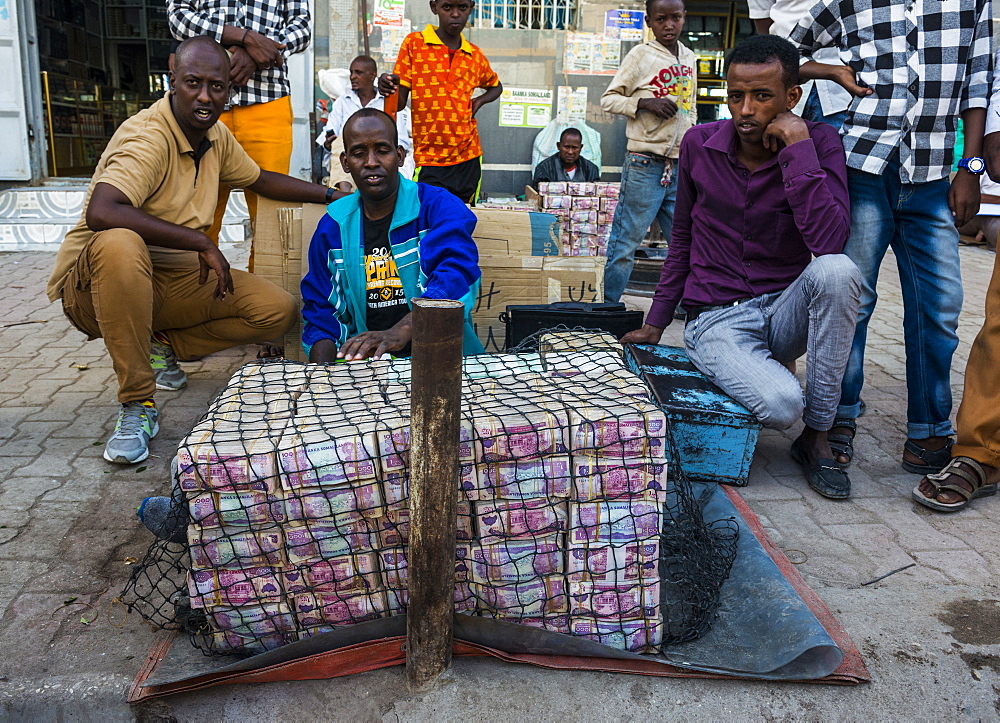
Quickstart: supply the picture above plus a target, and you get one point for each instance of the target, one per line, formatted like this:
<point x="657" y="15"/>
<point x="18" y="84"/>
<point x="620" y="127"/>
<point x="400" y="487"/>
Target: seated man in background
<point x="134" y="269"/>
<point x="758" y="196"/>
<point x="566" y="164"/>
<point x="391" y="241"/>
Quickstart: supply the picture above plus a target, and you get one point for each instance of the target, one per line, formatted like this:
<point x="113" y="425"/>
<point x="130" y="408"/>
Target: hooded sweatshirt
<point x="651" y="71"/>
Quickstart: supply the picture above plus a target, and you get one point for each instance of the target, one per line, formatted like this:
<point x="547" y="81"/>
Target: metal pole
<point x="364" y="26"/>
<point x="436" y="397"/>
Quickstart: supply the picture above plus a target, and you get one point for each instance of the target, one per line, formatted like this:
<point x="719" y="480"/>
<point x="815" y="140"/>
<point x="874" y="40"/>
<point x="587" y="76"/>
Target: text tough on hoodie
<point x="652" y="71"/>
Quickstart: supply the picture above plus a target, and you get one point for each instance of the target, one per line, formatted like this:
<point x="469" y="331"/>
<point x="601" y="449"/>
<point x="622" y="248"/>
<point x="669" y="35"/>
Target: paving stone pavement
<point x="68" y="531"/>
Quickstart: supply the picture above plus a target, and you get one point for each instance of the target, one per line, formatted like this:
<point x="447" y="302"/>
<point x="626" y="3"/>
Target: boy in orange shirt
<point x="440" y="69"/>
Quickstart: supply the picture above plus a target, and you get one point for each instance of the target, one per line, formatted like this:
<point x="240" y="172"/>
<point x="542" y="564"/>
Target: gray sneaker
<point x="130" y="441"/>
<point x="169" y="376"/>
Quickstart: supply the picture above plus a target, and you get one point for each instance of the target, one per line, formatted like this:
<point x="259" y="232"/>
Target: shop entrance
<point x="101" y="61"/>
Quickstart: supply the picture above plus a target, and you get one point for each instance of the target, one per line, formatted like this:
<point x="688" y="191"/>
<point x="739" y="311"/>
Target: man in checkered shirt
<point x="914" y="67"/>
<point x="259" y="35"/>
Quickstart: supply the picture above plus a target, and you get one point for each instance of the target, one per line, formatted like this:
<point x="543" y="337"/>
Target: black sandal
<point x="933" y="460"/>
<point x="841" y="444"/>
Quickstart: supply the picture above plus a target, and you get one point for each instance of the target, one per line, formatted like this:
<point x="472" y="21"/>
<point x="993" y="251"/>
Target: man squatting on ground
<point x="391" y="241"/>
<point x="134" y="269"/>
<point x="757" y="197"/>
<point x="566" y="164"/>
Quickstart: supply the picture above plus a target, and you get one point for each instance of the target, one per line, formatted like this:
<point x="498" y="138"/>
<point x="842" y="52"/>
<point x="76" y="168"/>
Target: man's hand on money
<point x="376" y="343"/>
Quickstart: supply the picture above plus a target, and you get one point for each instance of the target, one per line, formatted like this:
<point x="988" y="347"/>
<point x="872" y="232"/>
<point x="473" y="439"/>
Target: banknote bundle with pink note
<point x="517" y="560"/>
<point x="351" y="572"/>
<point x="538" y="597"/>
<point x="639" y="599"/>
<point x="622" y="432"/>
<point x="217" y="547"/>
<point x="638" y="636"/>
<point x="615" y="564"/>
<point x="600" y="478"/>
<point x="337" y="609"/>
<point x="518" y="519"/>
<point x="234" y="588"/>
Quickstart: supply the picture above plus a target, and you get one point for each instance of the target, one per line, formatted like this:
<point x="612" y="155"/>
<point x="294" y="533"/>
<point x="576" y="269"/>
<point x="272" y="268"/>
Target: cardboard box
<point x="519" y="256"/>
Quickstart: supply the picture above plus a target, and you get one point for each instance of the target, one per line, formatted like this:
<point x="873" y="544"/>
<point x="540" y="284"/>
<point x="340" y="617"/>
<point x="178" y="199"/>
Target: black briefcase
<point x="522" y="321"/>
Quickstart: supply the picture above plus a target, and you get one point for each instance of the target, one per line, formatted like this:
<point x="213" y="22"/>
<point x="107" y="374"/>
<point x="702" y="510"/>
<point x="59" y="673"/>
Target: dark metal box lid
<point x="677" y="385"/>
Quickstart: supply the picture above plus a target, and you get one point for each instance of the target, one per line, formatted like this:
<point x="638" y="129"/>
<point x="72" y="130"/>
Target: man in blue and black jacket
<point x="391" y="241"/>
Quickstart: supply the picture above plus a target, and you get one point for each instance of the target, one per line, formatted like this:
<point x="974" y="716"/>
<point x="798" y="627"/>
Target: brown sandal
<point x="976" y="479"/>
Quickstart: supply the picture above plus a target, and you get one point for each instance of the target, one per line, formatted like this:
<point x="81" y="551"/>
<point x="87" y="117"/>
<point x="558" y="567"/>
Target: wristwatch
<point x="329" y="191"/>
<point x="973" y="164"/>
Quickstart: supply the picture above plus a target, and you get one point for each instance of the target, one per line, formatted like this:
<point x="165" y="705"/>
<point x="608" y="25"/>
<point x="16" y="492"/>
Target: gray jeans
<point x="742" y="348"/>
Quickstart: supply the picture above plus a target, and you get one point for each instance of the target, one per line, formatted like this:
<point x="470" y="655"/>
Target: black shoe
<point x="825" y="476"/>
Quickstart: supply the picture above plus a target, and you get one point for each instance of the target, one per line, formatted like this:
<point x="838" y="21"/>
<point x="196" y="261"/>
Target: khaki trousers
<point x="978" y="419"/>
<point x="114" y="292"/>
<point x="264" y="130"/>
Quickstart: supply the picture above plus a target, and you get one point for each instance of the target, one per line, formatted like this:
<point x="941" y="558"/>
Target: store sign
<point x="625" y="25"/>
<point x="525" y="107"/>
<point x="389" y="13"/>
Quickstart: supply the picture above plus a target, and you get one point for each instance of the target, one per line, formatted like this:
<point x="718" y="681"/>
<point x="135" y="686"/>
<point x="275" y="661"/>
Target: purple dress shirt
<point x="739" y="234"/>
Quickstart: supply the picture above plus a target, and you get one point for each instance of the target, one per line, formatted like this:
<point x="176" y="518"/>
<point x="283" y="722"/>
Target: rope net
<point x="293" y="493"/>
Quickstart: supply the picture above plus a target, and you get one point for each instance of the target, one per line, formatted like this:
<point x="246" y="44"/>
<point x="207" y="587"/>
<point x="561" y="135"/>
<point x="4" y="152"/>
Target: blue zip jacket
<point x="431" y="239"/>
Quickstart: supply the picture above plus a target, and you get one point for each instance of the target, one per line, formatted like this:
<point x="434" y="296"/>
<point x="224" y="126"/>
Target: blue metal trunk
<point x="714" y="436"/>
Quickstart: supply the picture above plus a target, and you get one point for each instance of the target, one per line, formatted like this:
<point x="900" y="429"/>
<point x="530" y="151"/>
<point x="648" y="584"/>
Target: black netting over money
<point x="293" y="493"/>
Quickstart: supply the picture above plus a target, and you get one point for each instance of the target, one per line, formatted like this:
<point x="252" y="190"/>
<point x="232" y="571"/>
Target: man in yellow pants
<point x="259" y="35"/>
<point x="139" y="270"/>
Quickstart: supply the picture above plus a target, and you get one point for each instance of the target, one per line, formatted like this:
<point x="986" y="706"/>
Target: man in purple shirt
<point x="758" y="197"/>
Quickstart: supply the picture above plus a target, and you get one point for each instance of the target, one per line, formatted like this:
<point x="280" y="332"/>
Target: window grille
<point x="525" y="14"/>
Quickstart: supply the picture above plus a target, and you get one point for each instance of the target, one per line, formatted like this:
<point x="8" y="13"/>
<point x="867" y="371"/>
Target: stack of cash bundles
<point x="586" y="212"/>
<point x="297" y="487"/>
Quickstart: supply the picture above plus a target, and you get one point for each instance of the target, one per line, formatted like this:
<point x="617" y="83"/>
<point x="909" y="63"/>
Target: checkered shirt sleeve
<point x="286" y="21"/>
<point x="926" y="60"/>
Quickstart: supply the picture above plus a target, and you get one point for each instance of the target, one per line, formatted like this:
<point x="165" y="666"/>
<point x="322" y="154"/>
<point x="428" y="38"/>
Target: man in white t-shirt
<point x="822" y="100"/>
<point x="362" y="94"/>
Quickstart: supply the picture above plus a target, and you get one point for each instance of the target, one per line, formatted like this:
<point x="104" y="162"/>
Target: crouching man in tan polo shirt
<point x="139" y="271"/>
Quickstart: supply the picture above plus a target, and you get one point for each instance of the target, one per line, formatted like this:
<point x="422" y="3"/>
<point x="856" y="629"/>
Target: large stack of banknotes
<point x="297" y="486"/>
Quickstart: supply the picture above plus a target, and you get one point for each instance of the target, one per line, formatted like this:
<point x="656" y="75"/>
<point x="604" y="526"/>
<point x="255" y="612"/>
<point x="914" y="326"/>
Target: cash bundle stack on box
<point x="585" y="212"/>
<point x="297" y="486"/>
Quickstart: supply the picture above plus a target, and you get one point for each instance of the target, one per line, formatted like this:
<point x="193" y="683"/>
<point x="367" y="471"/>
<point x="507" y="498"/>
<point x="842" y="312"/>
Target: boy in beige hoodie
<point x="656" y="89"/>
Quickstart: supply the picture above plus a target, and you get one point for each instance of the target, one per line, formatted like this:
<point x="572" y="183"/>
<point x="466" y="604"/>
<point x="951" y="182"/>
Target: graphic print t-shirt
<point x="385" y="297"/>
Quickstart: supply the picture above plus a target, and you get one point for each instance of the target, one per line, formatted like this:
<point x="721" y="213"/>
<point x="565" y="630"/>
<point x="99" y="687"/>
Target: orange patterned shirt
<point x="441" y="85"/>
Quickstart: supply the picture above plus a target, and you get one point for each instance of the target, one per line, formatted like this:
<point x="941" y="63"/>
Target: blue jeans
<point x="813" y="111"/>
<point x="743" y="349"/>
<point x="641" y="199"/>
<point x="915" y="221"/>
